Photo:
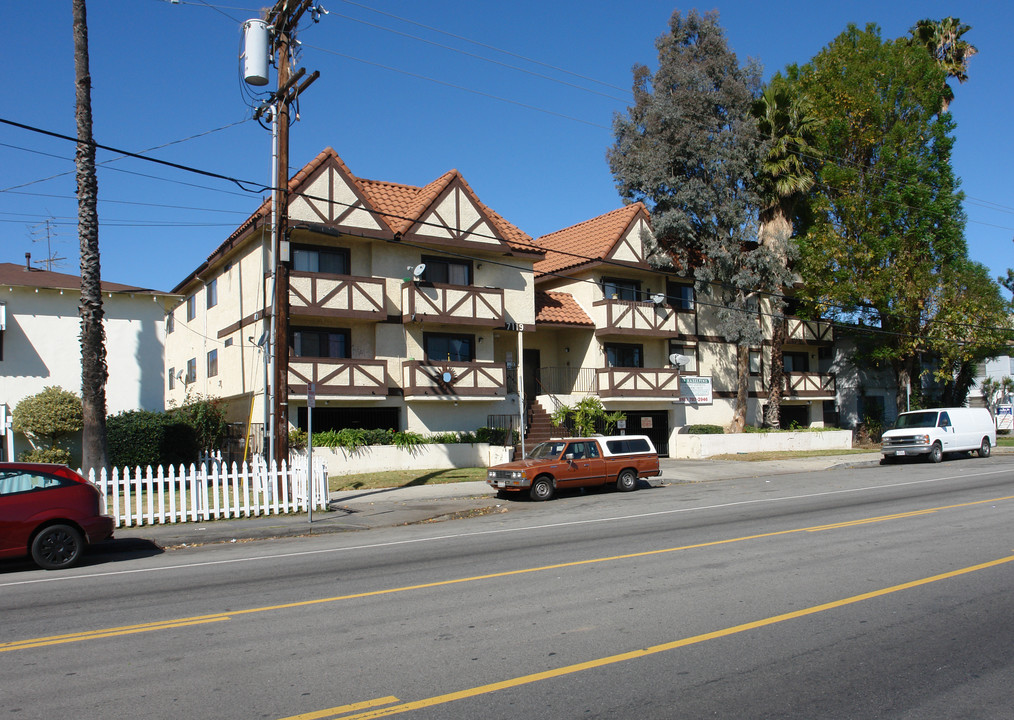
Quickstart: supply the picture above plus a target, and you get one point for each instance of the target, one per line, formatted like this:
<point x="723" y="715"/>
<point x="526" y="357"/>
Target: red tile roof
<point x="559" y="308"/>
<point x="397" y="206"/>
<point x="586" y="242"/>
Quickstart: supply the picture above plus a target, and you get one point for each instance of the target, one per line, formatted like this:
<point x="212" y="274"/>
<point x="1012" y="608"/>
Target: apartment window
<point x="211" y="293"/>
<point x="172" y="378"/>
<point x="170" y="323"/>
<point x="621" y="289"/>
<point x="680" y="296"/>
<point x="447" y="271"/>
<point x="624" y="355"/>
<point x="191" y="370"/>
<point x="690" y="351"/>
<point x="213" y="363"/>
<point x="334" y="261"/>
<point x="755" y="362"/>
<point x="320" y="343"/>
<point x="441" y="347"/>
<point x="796" y="362"/>
<point x="191" y="308"/>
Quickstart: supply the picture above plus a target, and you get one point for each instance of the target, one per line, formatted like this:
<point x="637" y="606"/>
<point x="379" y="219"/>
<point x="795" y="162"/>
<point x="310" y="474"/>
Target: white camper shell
<point x="936" y="431"/>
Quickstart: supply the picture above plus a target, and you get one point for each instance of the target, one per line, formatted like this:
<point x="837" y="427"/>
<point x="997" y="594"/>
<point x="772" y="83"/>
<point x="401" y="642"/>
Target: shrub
<point x="140" y="438"/>
<point x="445" y="437"/>
<point x="48" y="417"/>
<point x="406" y="440"/>
<point x="58" y="455"/>
<point x="704" y="430"/>
<point x="207" y="417"/>
<point x="297" y="439"/>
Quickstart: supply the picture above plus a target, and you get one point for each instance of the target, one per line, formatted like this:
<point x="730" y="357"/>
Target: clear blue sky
<point x="398" y="104"/>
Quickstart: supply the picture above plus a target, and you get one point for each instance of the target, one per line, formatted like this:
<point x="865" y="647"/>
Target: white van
<point x="936" y="431"/>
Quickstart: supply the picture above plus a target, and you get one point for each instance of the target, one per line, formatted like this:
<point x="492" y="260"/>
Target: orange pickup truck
<point x="577" y="462"/>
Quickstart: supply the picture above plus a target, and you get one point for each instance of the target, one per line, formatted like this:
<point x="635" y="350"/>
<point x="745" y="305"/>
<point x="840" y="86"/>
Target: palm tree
<point x="93" y="341"/>
<point x="942" y="38"/>
<point x="786" y="176"/>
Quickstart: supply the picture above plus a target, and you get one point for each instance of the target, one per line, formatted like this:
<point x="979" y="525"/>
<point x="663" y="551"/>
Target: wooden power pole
<point x="283" y="19"/>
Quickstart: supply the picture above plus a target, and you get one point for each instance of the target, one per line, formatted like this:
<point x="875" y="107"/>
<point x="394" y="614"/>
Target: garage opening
<point x="654" y="424"/>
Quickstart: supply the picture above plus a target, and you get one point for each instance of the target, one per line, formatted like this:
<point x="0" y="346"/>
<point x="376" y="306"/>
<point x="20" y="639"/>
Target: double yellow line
<point x="377" y="711"/>
<point x="219" y="617"/>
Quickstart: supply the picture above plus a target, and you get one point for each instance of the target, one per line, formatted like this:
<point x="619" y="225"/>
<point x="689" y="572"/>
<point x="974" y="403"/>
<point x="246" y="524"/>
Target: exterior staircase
<point x="539" y="426"/>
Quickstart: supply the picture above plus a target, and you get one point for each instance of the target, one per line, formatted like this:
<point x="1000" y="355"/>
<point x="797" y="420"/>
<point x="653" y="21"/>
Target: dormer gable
<point x="327" y="193"/>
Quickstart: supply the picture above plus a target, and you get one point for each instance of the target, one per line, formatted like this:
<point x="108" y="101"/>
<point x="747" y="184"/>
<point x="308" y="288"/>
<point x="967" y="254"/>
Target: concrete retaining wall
<point x="381" y="458"/>
<point x="702" y="446"/>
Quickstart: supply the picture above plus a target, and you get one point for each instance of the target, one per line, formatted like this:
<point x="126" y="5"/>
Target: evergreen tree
<point x="886" y="244"/>
<point x="688" y="149"/>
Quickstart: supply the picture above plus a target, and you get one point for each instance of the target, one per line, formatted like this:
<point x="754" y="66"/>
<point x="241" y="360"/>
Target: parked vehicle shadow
<point x="109" y="551"/>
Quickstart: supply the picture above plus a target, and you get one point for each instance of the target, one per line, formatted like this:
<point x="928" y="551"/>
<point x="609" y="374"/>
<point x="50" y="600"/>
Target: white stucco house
<point x="40" y="343"/>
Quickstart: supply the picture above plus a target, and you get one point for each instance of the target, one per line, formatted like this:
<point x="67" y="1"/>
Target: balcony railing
<point x="619" y="382"/>
<point x="809" y="331"/>
<point x="343" y="296"/>
<point x="454" y="379"/>
<point x="807" y="384"/>
<point x="565" y="380"/>
<point x="452" y="304"/>
<point x="338" y="376"/>
<point x="627" y="317"/>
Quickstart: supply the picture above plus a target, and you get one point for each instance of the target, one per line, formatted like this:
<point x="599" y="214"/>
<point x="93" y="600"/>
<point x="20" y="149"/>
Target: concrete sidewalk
<point x="389" y="507"/>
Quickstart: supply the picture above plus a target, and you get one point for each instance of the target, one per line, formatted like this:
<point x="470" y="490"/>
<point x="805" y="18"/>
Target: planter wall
<point x="381" y="458"/>
<point x="703" y="446"/>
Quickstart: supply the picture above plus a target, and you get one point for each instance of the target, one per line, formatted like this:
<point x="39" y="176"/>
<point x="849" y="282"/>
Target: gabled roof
<point x="17" y="275"/>
<point x="559" y="308"/>
<point x="396" y="207"/>
<point x="587" y="242"/>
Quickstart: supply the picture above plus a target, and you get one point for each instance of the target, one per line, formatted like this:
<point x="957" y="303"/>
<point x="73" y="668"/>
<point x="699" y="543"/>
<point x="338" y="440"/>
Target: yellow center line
<point x="342" y="709"/>
<point x="655" y="649"/>
<point x="201" y="619"/>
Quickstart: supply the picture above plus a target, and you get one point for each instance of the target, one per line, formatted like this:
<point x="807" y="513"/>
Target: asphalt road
<point x="878" y="592"/>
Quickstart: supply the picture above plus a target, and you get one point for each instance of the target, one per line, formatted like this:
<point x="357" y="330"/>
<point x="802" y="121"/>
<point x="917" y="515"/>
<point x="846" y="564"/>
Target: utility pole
<point x="283" y="19"/>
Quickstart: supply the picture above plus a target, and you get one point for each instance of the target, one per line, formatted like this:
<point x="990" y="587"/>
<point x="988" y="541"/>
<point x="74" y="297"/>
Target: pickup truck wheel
<point x="626" y="481"/>
<point x="936" y="453"/>
<point x="542" y="489"/>
<point x="984" y="449"/>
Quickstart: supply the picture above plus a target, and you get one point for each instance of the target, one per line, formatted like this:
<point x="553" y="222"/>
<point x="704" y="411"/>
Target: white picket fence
<point x="208" y="492"/>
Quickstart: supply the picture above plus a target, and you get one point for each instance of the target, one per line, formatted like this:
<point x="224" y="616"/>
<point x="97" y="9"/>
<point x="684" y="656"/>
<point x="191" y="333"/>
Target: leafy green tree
<point x="688" y="149"/>
<point x="48" y="419"/>
<point x="886" y="241"/>
<point x="942" y="38"/>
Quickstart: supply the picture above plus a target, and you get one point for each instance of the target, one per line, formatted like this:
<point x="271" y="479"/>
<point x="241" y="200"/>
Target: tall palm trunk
<point x="93" y="338"/>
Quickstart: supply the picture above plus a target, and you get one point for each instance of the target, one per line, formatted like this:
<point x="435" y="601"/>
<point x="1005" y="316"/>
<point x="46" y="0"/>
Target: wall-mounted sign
<point x="695" y="390"/>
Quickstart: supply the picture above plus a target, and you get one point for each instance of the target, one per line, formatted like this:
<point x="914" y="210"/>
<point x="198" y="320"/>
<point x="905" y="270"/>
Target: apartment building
<point x="611" y="324"/>
<point x="404" y="306"/>
<point x="413" y="308"/>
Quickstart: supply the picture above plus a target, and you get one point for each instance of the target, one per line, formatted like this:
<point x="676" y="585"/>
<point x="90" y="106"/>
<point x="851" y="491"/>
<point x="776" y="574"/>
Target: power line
<point x="531" y="245"/>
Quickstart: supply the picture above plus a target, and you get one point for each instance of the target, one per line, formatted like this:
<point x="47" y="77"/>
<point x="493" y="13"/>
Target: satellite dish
<point x="658" y="298"/>
<point x="447" y="376"/>
<point x="681" y="360"/>
<point x="418" y="270"/>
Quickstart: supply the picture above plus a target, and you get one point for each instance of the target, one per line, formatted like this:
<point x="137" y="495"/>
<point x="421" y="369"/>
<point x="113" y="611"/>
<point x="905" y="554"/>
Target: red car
<point x="49" y="512"/>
